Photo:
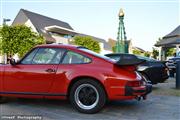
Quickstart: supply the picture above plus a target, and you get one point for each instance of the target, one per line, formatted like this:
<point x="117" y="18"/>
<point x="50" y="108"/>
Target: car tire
<point x="87" y="96"/>
<point x="3" y="99"/>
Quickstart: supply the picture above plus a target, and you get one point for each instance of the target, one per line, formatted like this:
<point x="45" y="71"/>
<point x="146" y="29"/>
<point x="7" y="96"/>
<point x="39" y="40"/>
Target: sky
<point x="145" y="20"/>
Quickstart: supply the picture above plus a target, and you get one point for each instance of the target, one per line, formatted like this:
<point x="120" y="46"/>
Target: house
<point x="170" y="40"/>
<point x="53" y="30"/>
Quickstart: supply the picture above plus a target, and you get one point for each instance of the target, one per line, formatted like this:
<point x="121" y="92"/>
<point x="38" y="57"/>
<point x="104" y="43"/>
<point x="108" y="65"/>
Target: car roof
<point x="146" y="58"/>
<point x="178" y="57"/>
<point x="117" y="53"/>
<point x="111" y="54"/>
<point x="67" y="46"/>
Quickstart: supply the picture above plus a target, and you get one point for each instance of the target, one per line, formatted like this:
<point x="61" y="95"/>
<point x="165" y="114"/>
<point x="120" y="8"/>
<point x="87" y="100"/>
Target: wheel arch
<point x="144" y="73"/>
<point x="149" y="78"/>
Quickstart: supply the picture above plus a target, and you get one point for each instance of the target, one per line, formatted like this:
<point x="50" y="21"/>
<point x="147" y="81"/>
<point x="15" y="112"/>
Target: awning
<point x="170" y="40"/>
<point x="61" y="30"/>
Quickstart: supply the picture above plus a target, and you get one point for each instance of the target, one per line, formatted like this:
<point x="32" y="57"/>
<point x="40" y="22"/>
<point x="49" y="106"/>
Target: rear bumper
<point x="138" y="91"/>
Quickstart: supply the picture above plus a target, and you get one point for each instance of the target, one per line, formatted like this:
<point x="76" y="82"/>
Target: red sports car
<point x="84" y="77"/>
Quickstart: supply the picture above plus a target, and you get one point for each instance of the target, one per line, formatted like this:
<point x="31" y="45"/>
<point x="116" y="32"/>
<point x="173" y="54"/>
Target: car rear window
<point x="96" y="54"/>
<point x="75" y="58"/>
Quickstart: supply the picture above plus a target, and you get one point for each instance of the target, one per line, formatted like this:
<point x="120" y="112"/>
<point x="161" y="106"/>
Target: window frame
<point x="75" y="63"/>
<point x="20" y="62"/>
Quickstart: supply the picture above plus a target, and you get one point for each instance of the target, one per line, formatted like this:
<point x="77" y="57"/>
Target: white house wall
<point x="60" y="39"/>
<point x="102" y="50"/>
<point x="1" y="59"/>
<point x="29" y="24"/>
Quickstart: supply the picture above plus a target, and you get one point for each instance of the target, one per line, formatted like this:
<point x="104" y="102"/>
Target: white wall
<point x="101" y="48"/>
<point x="1" y="59"/>
<point x="60" y="39"/>
<point x="29" y="24"/>
<point x="103" y="51"/>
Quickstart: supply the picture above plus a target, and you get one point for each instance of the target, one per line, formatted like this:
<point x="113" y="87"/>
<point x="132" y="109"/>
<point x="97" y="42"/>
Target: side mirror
<point x="12" y="61"/>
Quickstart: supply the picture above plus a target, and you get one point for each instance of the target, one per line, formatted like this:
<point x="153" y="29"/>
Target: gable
<point x="38" y="21"/>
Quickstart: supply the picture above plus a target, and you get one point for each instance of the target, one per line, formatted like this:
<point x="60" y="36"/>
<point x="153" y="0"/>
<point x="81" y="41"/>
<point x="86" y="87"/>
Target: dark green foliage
<point x="155" y="53"/>
<point x="170" y="52"/>
<point x="87" y="42"/>
<point x="18" y="39"/>
<point x="147" y="54"/>
<point x="114" y="49"/>
<point x="136" y="52"/>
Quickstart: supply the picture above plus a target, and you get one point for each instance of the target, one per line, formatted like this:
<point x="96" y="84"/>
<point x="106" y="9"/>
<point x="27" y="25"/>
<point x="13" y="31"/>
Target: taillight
<point x="134" y="83"/>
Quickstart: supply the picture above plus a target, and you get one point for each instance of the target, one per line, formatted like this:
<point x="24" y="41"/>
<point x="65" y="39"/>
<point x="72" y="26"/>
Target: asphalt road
<point x="156" y="107"/>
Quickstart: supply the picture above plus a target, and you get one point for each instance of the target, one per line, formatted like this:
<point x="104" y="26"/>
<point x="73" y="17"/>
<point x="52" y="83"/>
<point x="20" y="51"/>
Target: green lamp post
<point x="122" y="43"/>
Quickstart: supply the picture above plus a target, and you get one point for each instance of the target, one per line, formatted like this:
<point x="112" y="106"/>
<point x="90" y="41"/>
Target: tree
<point x="170" y="52"/>
<point x="147" y="54"/>
<point x="155" y="53"/>
<point x="0" y="41"/>
<point x="114" y="49"/>
<point x="18" y="39"/>
<point x="87" y="42"/>
<point x="136" y="52"/>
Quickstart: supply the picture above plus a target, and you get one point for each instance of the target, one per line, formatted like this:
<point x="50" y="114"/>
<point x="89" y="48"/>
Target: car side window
<point x="29" y="57"/>
<point x="75" y="58"/>
<point x="48" y="56"/>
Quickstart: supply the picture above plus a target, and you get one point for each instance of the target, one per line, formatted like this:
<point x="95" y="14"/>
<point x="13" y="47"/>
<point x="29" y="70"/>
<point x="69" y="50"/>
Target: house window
<point x="67" y="36"/>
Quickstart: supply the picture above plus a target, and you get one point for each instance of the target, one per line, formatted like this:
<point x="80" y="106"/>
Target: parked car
<point x="151" y="70"/>
<point x="84" y="77"/>
<point x="171" y="64"/>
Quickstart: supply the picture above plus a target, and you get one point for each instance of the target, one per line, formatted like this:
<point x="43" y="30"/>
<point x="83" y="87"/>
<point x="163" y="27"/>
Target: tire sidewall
<point x="100" y="90"/>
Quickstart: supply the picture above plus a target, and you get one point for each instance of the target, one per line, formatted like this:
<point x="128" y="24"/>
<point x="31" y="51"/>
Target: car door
<point x="1" y="76"/>
<point x="35" y="73"/>
<point x="69" y="68"/>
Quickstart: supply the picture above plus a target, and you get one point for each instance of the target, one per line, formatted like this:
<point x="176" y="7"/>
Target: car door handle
<point x="50" y="70"/>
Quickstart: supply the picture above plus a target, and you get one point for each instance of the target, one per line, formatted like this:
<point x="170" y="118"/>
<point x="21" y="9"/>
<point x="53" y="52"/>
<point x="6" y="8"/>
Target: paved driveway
<point x="156" y="107"/>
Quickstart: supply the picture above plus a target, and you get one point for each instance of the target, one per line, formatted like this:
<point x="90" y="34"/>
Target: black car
<point x="151" y="69"/>
<point x="171" y="64"/>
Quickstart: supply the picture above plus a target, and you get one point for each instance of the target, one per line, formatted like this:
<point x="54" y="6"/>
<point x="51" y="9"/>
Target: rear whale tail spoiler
<point x="129" y="60"/>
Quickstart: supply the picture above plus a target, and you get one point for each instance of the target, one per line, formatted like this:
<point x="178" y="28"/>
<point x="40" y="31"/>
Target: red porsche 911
<point x="84" y="77"/>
